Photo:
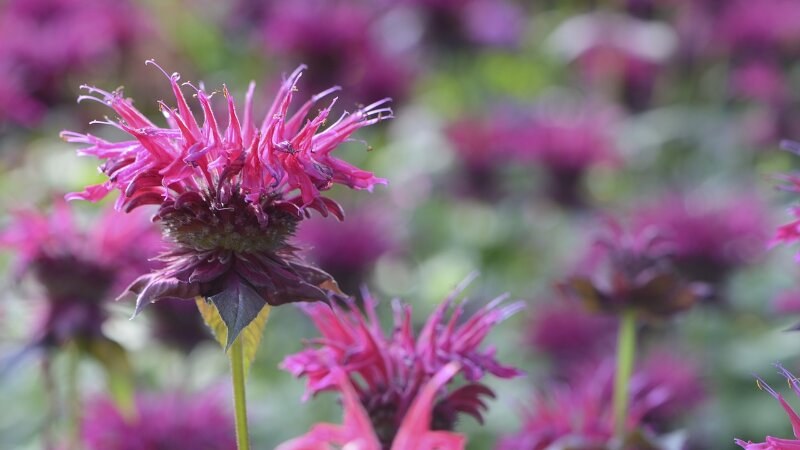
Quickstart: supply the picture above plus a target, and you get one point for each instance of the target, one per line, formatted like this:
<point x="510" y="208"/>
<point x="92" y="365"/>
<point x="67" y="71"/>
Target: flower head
<point x="357" y="430"/>
<point x="329" y="37"/>
<point x="773" y="443"/>
<point x="496" y="23"/>
<point x="161" y="421"/>
<point x="79" y="269"/>
<point x="569" y="334"/>
<point x="578" y="413"/>
<point x="709" y="241"/>
<point x="631" y="270"/>
<point x="388" y="372"/>
<point x="567" y="141"/>
<point x="229" y="199"/>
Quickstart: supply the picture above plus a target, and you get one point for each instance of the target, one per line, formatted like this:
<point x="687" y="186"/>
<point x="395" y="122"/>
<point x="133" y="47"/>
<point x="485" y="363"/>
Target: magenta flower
<point x="161" y="421"/>
<point x="496" y="23"/>
<point x="632" y="270"/>
<point x="578" y="414"/>
<point x="617" y="51"/>
<point x="709" y="240"/>
<point x="229" y="199"/>
<point x="773" y="443"/>
<point x="44" y="41"/>
<point x="357" y="430"/>
<point x="329" y="37"/>
<point x="569" y="334"/>
<point x="388" y="372"/>
<point x="79" y="270"/>
<point x="349" y="250"/>
<point x="567" y="144"/>
<point x="178" y="324"/>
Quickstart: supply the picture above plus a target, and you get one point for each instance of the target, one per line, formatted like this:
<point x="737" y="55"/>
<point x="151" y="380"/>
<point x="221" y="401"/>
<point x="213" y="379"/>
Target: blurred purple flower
<point x="178" y="324"/>
<point x="676" y="379"/>
<point x="481" y="146"/>
<point x="229" y="199"/>
<point x="632" y="270"/>
<point x="414" y="431"/>
<point x="773" y="443"/>
<point x="617" y="51"/>
<point x="497" y="23"/>
<point x="389" y="372"/>
<point x="43" y="41"/>
<point x="570" y="335"/>
<point x="567" y="143"/>
<point x="160" y="421"/>
<point x="578" y="413"/>
<point x="348" y="250"/>
<point x="709" y="240"/>
<point x="79" y="269"/>
<point x="329" y="36"/>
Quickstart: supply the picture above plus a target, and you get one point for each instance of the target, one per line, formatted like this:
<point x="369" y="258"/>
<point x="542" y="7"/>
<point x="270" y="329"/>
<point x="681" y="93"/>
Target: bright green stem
<point x="74" y="398"/>
<point x="626" y="353"/>
<point x="236" y="356"/>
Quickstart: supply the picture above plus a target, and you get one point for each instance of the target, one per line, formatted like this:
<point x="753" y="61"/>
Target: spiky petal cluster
<point x="229" y="198"/>
<point x="631" y="270"/>
<point x="711" y="238"/>
<point x="79" y="268"/>
<point x="389" y="371"/>
<point x="578" y="413"/>
<point x="172" y="421"/>
<point x="357" y="430"/>
<point x="773" y="443"/>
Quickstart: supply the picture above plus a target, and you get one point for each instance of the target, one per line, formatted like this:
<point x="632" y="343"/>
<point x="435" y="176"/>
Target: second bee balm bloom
<point x="229" y="198"/>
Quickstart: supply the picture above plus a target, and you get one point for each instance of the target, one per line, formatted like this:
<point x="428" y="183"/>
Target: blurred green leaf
<point x="119" y="373"/>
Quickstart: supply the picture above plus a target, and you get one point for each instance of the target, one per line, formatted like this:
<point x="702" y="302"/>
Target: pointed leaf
<point x="212" y="318"/>
<point x="251" y="336"/>
<point x="238" y="305"/>
<point x="119" y="374"/>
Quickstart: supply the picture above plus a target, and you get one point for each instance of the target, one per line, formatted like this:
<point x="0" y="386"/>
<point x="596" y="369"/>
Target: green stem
<point x="626" y="352"/>
<point x="236" y="356"/>
<point x="73" y="397"/>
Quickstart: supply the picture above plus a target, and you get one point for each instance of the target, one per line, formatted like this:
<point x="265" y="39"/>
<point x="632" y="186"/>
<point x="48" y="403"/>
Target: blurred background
<point x="520" y="127"/>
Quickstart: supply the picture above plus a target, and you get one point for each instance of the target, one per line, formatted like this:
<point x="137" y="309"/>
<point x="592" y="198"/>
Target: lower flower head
<point x="389" y="371"/>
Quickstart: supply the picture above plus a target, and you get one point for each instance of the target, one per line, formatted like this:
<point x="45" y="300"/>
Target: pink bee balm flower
<point x="42" y="42"/>
<point x="357" y="431"/>
<point x="161" y="421"/>
<point x="773" y="443"/>
<point x="578" y="413"/>
<point x="78" y="269"/>
<point x="389" y="372"/>
<point x="632" y="270"/>
<point x="710" y="238"/>
<point x="229" y="199"/>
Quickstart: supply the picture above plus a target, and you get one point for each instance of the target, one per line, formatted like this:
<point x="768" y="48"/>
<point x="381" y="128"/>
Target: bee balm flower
<point x="773" y="443"/>
<point x="390" y="371"/>
<point x="229" y="199"/>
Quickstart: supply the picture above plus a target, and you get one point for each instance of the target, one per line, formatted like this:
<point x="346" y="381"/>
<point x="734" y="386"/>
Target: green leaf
<point x="213" y="320"/>
<point x="250" y="335"/>
<point x="119" y="374"/>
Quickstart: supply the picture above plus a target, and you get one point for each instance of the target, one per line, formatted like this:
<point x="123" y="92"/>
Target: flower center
<point x="233" y="226"/>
